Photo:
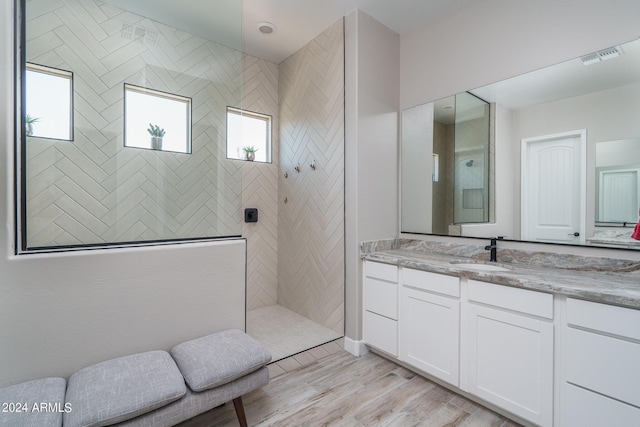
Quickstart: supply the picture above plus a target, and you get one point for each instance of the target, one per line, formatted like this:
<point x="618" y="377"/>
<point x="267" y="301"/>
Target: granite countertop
<point x="605" y="280"/>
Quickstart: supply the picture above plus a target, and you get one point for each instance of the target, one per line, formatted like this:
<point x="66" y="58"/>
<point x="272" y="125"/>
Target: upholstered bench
<point x="148" y="389"/>
<point x="23" y="403"/>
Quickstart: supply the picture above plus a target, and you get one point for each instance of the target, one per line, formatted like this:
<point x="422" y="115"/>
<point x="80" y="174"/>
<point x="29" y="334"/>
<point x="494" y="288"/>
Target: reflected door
<point x="553" y="190"/>
<point x="618" y="201"/>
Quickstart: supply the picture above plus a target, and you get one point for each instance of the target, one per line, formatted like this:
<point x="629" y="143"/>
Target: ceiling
<point x="296" y="21"/>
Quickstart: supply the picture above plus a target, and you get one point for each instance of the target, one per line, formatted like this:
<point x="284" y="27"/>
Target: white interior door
<point x="554" y="187"/>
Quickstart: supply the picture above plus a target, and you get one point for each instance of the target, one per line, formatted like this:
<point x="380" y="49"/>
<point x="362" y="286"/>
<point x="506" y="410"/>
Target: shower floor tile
<point x="284" y="332"/>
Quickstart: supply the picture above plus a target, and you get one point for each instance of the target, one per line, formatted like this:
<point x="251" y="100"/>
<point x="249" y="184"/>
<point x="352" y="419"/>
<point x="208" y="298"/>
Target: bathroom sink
<point x="479" y="266"/>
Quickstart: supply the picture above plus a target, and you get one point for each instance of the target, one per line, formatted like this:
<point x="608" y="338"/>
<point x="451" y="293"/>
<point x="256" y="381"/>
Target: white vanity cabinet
<point x="380" y="320"/>
<point x="601" y="365"/>
<point x="430" y="323"/>
<point x="507" y="349"/>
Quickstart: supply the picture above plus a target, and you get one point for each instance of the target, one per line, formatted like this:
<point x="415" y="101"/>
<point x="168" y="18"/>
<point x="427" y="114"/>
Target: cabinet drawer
<point x="606" y="365"/>
<point x="381" y="297"/>
<point x="381" y="332"/>
<point x="587" y="409"/>
<point x="602" y="317"/>
<point x="439" y="283"/>
<point x="522" y="300"/>
<point x="381" y="271"/>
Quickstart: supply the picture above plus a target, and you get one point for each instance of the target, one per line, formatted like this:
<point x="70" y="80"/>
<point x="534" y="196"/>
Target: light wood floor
<point x="342" y="390"/>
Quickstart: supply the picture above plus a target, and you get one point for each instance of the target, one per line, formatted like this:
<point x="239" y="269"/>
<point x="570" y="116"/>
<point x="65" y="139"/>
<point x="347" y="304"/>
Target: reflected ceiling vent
<point x="139" y="34"/>
<point x="602" y="55"/>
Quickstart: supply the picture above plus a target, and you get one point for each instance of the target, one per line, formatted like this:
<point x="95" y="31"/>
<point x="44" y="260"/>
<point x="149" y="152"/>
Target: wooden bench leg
<point x="242" y="418"/>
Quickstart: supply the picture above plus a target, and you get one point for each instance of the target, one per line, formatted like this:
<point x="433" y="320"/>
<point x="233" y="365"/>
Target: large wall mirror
<point x="557" y="159"/>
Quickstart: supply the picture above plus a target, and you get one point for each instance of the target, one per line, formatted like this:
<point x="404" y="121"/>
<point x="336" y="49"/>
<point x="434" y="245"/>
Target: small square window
<point x="248" y="132"/>
<point x="156" y="120"/>
<point x="49" y="102"/>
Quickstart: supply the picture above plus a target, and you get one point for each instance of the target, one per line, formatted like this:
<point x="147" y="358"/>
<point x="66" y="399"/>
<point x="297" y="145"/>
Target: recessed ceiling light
<point x="266" y="27"/>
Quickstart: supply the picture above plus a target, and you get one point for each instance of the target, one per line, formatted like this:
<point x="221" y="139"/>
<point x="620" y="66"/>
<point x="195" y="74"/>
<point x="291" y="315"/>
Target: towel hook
<point x="313" y="165"/>
<point x="297" y="168"/>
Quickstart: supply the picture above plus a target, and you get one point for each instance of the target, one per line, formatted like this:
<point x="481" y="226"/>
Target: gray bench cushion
<point x="195" y="403"/>
<point x="219" y="358"/>
<point x="120" y="389"/>
<point x="47" y="391"/>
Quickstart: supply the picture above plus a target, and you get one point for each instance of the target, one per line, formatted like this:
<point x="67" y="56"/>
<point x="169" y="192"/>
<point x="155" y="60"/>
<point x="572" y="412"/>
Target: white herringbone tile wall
<point x="260" y="188"/>
<point x="93" y="190"/>
<point x="311" y="223"/>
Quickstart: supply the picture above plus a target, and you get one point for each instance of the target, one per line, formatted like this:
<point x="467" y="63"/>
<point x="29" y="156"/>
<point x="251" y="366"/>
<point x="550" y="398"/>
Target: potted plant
<point x="249" y="152"/>
<point x="156" y="136"/>
<point x="29" y="120"/>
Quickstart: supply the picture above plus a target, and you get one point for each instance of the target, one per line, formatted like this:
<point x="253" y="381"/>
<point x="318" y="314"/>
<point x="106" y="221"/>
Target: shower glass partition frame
<point x="92" y="190"/>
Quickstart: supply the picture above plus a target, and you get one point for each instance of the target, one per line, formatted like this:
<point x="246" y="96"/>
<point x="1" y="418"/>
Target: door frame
<point x="524" y="160"/>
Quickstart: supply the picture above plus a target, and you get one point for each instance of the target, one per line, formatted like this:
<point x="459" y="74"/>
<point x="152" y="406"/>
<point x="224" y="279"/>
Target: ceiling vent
<point x="602" y="55"/>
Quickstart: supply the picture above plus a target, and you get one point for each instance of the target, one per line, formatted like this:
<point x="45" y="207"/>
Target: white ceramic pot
<point x="156" y="142"/>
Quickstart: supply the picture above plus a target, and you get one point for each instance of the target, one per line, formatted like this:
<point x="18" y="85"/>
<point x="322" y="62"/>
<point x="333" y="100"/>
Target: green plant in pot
<point x="156" y="136"/>
<point x="29" y="120"/>
<point x="249" y="152"/>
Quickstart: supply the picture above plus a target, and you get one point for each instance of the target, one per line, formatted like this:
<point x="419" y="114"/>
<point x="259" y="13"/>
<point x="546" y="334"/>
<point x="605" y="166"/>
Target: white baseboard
<point x="357" y="348"/>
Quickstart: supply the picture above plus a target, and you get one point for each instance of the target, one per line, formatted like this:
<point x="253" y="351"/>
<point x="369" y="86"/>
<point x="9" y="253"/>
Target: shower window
<point x="102" y="190"/>
<point x="156" y="120"/>
<point x="248" y="129"/>
<point x="48" y="102"/>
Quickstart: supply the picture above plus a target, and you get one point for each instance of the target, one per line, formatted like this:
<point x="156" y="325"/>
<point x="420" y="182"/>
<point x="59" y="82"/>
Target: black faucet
<point x="493" y="247"/>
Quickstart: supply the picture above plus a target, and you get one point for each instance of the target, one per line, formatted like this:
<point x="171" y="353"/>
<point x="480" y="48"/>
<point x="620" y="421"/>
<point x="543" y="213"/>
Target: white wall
<point x="59" y="313"/>
<point x="371" y="147"/>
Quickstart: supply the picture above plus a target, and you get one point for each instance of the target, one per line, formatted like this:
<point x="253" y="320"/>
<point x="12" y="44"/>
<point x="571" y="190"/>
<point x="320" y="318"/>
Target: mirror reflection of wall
<point x="417" y="174"/>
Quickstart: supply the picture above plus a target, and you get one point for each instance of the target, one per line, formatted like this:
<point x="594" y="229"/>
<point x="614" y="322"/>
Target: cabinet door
<point x="430" y="331"/>
<point x="509" y="362"/>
